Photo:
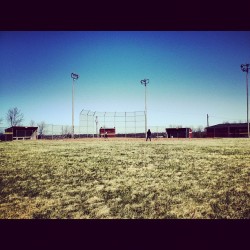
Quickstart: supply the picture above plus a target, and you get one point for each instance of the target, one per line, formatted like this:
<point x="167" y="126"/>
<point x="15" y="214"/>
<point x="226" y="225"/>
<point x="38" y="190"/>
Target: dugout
<point x="110" y="132"/>
<point x="20" y="133"/>
<point x="179" y="132"/>
<point x="232" y="130"/>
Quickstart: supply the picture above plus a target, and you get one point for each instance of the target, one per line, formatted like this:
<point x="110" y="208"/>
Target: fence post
<point x="87" y="124"/>
<point x="104" y="122"/>
<point x="114" y="120"/>
<point x="135" y="123"/>
<point x="125" y="126"/>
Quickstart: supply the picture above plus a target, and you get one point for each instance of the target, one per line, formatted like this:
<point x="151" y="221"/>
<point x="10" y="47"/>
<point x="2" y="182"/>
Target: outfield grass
<point x="94" y="178"/>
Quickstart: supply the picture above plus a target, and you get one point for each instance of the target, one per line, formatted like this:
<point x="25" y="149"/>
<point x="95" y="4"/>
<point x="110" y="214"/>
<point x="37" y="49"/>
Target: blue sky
<point x="191" y="74"/>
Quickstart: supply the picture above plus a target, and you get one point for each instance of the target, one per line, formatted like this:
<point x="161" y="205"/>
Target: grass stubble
<point x="125" y="179"/>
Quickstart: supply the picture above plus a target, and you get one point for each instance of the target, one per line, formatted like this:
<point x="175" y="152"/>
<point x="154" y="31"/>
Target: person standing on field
<point x="148" y="135"/>
<point x="106" y="135"/>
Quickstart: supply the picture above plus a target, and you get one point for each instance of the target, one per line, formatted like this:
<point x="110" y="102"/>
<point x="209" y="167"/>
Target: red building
<point x="179" y="132"/>
<point x="110" y="132"/>
<point x="227" y="130"/>
<point x="21" y="133"/>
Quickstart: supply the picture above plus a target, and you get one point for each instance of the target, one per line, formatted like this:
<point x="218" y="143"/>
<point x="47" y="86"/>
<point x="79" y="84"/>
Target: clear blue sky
<point x="191" y="74"/>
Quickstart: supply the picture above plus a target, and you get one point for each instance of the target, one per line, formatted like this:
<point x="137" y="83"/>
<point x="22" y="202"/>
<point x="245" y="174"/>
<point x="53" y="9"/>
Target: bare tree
<point x="32" y="123"/>
<point x="66" y="132"/>
<point x="41" y="128"/>
<point x="198" y="131"/>
<point x="14" y="117"/>
<point x="200" y="128"/>
<point x="175" y="126"/>
<point x="1" y="120"/>
<point x="62" y="130"/>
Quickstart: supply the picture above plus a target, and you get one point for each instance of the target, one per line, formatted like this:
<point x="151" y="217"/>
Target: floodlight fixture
<point x="145" y="82"/>
<point x="74" y="77"/>
<point x="245" y="68"/>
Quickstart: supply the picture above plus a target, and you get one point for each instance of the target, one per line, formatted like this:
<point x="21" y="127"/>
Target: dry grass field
<point x="125" y="178"/>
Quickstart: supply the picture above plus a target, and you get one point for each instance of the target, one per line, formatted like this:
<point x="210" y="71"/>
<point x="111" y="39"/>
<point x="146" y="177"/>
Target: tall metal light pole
<point x="145" y="82"/>
<point x="74" y="77"/>
<point x="96" y="122"/>
<point x="245" y="68"/>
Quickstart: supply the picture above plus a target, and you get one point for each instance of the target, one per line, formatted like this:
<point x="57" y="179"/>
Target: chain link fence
<point x="2" y="131"/>
<point x="53" y="132"/>
<point x="158" y="131"/>
<point x="133" y="126"/>
<point x="126" y="124"/>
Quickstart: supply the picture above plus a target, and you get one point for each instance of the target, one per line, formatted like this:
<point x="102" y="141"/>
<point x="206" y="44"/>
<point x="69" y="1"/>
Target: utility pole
<point x="74" y="77"/>
<point x="207" y="121"/>
<point x="96" y="122"/>
<point x="145" y="82"/>
<point x="245" y="68"/>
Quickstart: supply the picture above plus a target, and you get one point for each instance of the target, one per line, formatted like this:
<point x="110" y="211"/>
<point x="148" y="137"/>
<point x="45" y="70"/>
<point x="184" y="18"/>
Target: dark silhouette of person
<point x="148" y="135"/>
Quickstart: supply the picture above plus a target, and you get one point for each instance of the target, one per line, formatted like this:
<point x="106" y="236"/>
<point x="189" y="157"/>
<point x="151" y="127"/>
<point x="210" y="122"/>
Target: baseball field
<point x="125" y="179"/>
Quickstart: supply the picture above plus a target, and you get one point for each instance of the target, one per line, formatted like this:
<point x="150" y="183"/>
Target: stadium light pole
<point x="145" y="82"/>
<point x="245" y="68"/>
<point x="74" y="77"/>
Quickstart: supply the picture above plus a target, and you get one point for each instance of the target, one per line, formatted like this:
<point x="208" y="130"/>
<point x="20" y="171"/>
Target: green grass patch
<point x="195" y="178"/>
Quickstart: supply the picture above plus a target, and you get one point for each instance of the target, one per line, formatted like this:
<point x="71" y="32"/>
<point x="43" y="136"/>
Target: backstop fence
<point x="126" y="124"/>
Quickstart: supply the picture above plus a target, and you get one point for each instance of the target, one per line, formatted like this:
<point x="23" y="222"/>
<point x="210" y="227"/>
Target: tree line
<point x="15" y="117"/>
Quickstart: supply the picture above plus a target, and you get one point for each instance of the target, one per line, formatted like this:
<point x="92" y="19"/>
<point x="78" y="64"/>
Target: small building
<point x="232" y="130"/>
<point x="110" y="132"/>
<point x="179" y="132"/>
<point x="20" y="133"/>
